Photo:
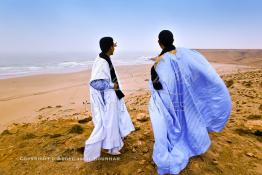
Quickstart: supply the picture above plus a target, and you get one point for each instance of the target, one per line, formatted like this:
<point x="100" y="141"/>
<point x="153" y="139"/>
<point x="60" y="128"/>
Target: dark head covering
<point x="166" y="38"/>
<point x="105" y="43"/>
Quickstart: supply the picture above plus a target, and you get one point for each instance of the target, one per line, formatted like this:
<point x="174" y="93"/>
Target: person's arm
<point x="101" y="84"/>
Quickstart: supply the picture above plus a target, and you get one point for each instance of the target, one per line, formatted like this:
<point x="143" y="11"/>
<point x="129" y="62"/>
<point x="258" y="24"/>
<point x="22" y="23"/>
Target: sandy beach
<point x="49" y="115"/>
<point x="23" y="99"/>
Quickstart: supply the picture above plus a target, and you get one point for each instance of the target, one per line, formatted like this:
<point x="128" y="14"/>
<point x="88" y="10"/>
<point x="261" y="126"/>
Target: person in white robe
<point x="111" y="119"/>
<point x="188" y="100"/>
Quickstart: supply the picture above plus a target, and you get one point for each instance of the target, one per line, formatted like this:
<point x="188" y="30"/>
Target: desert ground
<point x="45" y="120"/>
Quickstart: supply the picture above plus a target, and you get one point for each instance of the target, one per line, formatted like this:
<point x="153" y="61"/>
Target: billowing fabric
<point x="110" y="117"/>
<point x="194" y="101"/>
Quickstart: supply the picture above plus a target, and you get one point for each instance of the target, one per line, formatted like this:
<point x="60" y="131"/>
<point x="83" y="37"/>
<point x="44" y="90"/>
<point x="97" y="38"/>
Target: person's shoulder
<point x="171" y="54"/>
<point x="189" y="54"/>
<point x="100" y="62"/>
<point x="186" y="50"/>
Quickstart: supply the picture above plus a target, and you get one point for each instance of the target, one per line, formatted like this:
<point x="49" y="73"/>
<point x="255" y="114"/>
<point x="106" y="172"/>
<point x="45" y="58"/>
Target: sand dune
<point x="234" y="56"/>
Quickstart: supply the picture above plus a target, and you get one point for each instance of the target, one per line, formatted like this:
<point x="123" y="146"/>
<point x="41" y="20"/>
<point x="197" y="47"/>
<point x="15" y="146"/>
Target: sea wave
<point x="62" y="67"/>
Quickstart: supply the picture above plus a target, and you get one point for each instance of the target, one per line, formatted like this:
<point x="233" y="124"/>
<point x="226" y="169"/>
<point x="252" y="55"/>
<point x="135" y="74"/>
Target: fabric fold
<point x="110" y="117"/>
<point x="194" y="101"/>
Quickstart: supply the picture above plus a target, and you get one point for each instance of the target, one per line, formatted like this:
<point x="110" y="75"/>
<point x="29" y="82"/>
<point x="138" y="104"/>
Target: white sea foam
<point x="16" y="70"/>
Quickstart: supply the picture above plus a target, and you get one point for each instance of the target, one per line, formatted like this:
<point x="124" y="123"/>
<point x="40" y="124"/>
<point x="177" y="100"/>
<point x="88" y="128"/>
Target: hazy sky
<point x="77" y="25"/>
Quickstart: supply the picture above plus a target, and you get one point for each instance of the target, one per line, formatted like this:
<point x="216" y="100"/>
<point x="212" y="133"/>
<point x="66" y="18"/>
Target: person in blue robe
<point x="188" y="100"/>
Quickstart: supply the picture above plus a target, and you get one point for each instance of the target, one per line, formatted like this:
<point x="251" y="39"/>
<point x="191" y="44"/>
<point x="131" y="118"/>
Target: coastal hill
<point x="45" y="120"/>
<point x="55" y="146"/>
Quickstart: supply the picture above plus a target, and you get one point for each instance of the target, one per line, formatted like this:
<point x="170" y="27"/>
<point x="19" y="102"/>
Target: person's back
<point x="188" y="99"/>
<point x="202" y="82"/>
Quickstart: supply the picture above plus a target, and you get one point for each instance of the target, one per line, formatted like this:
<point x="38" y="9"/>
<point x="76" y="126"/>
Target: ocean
<point x="24" y="64"/>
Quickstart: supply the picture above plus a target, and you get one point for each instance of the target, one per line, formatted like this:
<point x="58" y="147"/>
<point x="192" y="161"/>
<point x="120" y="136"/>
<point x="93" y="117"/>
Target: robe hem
<point x="162" y="171"/>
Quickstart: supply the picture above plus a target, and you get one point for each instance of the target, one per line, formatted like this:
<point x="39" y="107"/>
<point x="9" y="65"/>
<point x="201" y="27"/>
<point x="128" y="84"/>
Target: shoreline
<point x="65" y="71"/>
<point x="246" y="57"/>
<point x="78" y="70"/>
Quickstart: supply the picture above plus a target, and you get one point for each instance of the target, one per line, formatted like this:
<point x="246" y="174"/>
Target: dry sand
<point x="43" y="116"/>
<point x="251" y="57"/>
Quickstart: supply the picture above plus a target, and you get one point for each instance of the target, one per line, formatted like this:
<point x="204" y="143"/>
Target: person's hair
<point x="165" y="37"/>
<point x="106" y="43"/>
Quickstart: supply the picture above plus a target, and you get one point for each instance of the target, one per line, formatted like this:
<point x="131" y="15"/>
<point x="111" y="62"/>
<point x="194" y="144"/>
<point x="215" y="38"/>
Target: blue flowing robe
<point x="194" y="101"/>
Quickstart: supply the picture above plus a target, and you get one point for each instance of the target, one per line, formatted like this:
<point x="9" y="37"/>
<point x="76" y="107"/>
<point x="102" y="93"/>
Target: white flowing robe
<point x="110" y="117"/>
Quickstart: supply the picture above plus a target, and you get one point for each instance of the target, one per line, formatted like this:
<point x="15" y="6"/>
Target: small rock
<point x="229" y="83"/>
<point x="142" y="162"/>
<point x="137" y="128"/>
<point x="258" y="133"/>
<point x="142" y="117"/>
<point x="229" y="141"/>
<point x="254" y="117"/>
<point x="132" y="109"/>
<point x="141" y="137"/>
<point x="260" y="107"/>
<point x="55" y="135"/>
<point x="76" y="129"/>
<point x="85" y="120"/>
<point x="138" y="143"/>
<point x="27" y="136"/>
<point x="80" y="149"/>
<point x="40" y="117"/>
<point x="147" y="133"/>
<point x="139" y="170"/>
<point x="250" y="154"/>
<point x="215" y="162"/>
<point x="145" y="150"/>
<point x="133" y="150"/>
<point x="6" y="132"/>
